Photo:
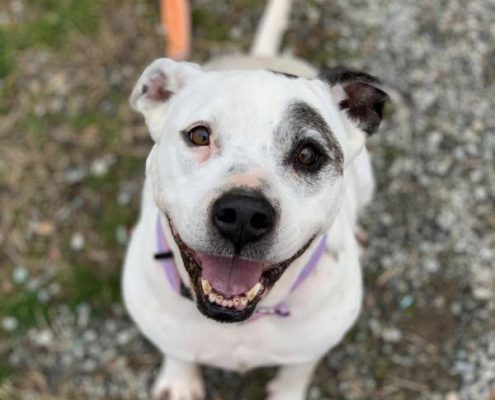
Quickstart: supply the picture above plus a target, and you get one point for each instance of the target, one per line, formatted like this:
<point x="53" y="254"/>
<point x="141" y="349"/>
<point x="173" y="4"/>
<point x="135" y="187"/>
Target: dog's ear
<point x="158" y="82"/>
<point x="363" y="101"/>
<point x="359" y="95"/>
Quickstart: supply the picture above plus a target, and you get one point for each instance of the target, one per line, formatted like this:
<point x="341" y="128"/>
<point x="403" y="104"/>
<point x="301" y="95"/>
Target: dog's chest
<point x="174" y="324"/>
<point x="246" y="346"/>
<point x="236" y="351"/>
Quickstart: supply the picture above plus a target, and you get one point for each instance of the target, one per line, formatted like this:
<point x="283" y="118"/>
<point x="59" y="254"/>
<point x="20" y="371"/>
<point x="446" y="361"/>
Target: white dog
<point x="254" y="184"/>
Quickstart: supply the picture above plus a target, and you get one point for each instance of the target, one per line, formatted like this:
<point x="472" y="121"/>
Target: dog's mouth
<point x="227" y="289"/>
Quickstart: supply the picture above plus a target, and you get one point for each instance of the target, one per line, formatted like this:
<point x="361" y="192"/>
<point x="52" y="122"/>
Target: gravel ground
<point x="427" y="330"/>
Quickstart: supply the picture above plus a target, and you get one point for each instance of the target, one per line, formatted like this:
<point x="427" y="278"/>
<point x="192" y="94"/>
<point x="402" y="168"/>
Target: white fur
<point x="271" y="28"/>
<point x="243" y="109"/>
<point x="328" y="302"/>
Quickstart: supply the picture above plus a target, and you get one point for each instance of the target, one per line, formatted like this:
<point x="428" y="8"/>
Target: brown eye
<point x="199" y="136"/>
<point x="307" y="156"/>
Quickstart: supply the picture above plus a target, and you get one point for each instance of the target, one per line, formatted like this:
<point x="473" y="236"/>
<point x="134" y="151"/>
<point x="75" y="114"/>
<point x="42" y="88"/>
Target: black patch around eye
<point x="301" y="117"/>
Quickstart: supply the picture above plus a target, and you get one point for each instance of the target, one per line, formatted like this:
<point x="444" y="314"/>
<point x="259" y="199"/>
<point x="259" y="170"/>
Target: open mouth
<point x="227" y="289"/>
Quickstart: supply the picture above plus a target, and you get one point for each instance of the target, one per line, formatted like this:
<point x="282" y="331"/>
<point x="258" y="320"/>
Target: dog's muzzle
<point x="228" y="288"/>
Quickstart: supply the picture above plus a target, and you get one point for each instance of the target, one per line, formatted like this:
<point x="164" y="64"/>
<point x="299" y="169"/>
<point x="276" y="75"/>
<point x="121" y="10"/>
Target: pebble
<point x="391" y="335"/>
<point x="77" y="241"/>
<point x="101" y="166"/>
<point x="10" y="324"/>
<point x="121" y="234"/>
<point x="75" y="175"/>
<point x="43" y="338"/>
<point x="20" y="275"/>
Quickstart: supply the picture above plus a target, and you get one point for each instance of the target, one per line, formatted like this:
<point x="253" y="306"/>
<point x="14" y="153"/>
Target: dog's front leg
<point x="291" y="382"/>
<point x="178" y="380"/>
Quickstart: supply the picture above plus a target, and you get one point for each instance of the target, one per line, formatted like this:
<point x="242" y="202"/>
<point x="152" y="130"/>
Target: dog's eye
<point x="307" y="156"/>
<point x="199" y="136"/>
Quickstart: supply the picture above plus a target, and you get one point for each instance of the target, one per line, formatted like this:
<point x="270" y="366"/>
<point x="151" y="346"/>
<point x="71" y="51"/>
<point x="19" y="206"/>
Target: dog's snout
<point x="242" y="218"/>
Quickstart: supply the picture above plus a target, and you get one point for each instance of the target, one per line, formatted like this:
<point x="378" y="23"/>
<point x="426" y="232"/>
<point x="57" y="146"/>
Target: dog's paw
<point x="280" y="389"/>
<point x="277" y="393"/>
<point x="178" y="384"/>
<point x="169" y="394"/>
<point x="291" y="382"/>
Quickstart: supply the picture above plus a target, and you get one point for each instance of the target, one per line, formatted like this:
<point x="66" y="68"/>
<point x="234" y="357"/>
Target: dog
<point x="245" y="252"/>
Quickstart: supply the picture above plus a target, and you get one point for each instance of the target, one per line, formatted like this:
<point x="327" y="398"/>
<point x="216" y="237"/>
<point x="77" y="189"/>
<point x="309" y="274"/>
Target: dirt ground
<point x="72" y="163"/>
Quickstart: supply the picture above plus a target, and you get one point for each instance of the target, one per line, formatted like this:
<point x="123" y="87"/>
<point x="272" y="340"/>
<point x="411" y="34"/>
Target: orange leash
<point x="176" y="22"/>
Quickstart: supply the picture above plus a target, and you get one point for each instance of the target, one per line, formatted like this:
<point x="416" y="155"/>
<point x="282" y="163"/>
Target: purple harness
<point x="281" y="309"/>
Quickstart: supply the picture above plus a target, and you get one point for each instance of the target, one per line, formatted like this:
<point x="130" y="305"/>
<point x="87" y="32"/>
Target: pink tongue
<point x="230" y="276"/>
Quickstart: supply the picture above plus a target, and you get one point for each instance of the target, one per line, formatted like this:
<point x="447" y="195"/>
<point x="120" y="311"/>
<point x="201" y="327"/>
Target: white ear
<point x="159" y="81"/>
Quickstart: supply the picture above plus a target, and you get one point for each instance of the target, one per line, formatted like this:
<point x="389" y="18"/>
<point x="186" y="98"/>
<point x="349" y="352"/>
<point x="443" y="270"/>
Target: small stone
<point x="43" y="296"/>
<point x="124" y="198"/>
<point x="34" y="284"/>
<point x="77" y="241"/>
<point x="20" y="275"/>
<point x="483" y="293"/>
<point x="54" y="288"/>
<point x="124" y="337"/>
<point x="74" y="175"/>
<point x="43" y="228"/>
<point x="432" y="265"/>
<point x="90" y="336"/>
<point x="43" y="338"/>
<point x="452" y="396"/>
<point x="121" y="234"/>
<point x="10" y="324"/>
<point x="89" y="365"/>
<point x="391" y="335"/>
<point x="83" y="315"/>
<point x="439" y="302"/>
<point x="456" y="308"/>
<point x="375" y="327"/>
<point x="406" y="302"/>
<point x="101" y="166"/>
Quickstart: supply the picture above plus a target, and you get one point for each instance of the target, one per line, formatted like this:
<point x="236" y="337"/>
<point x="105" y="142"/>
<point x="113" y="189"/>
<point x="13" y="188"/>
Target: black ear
<point x="364" y="101"/>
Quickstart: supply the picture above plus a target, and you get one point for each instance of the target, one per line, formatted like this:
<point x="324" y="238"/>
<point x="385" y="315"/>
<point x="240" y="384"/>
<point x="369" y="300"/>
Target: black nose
<point x="243" y="217"/>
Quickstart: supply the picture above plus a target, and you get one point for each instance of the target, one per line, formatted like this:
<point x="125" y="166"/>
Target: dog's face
<point x="248" y="167"/>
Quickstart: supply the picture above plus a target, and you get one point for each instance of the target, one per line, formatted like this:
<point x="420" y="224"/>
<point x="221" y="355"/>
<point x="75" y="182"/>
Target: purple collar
<point x="165" y="257"/>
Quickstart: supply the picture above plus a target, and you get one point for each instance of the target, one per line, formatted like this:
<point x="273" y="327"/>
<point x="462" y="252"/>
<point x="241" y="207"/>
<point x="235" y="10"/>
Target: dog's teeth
<point x="225" y="303"/>
<point x="206" y="286"/>
<point x="230" y="303"/>
<point x="236" y="301"/>
<point x="243" y="302"/>
<point x="212" y="298"/>
<point x="254" y="291"/>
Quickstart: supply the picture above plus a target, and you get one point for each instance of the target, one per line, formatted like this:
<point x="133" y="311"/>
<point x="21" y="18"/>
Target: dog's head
<point x="248" y="167"/>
